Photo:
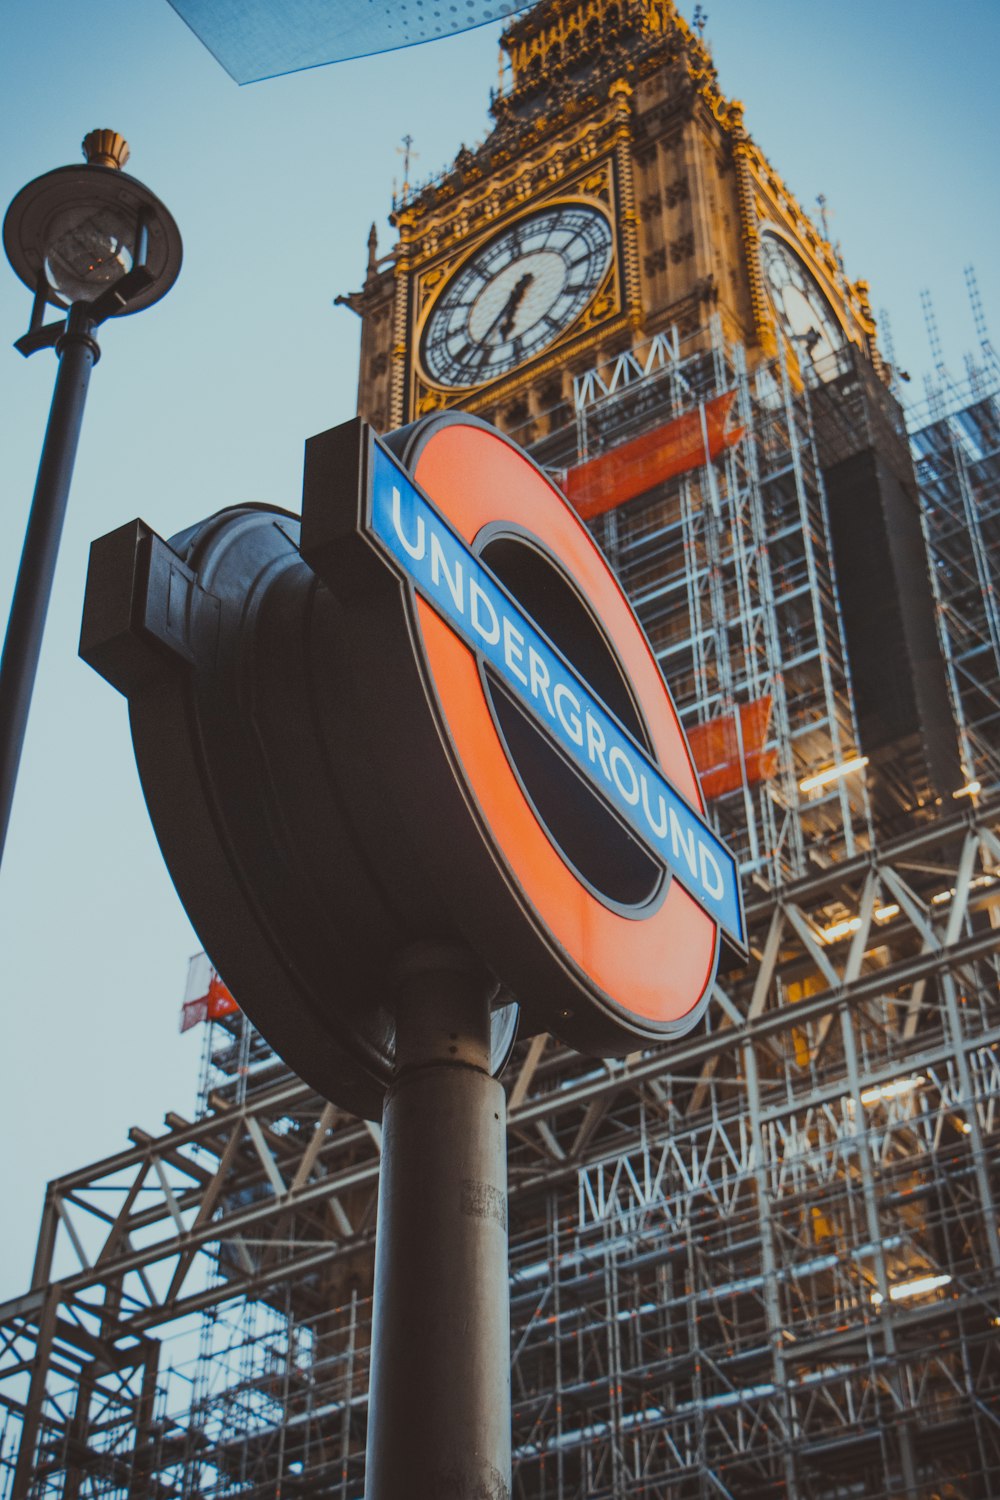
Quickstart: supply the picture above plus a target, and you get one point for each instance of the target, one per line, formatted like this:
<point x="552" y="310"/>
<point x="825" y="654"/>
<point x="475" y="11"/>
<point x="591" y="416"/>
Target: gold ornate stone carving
<point x="615" y="103"/>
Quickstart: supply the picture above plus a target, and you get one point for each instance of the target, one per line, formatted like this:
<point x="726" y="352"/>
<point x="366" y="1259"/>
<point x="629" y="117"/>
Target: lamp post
<point x="96" y="244"/>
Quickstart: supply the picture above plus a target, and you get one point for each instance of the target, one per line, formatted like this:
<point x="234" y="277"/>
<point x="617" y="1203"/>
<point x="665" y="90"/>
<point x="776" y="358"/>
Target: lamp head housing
<point x="75" y="233"/>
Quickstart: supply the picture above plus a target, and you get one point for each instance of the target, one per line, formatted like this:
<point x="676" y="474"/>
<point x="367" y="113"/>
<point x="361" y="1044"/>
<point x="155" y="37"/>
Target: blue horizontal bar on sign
<point x="259" y="39"/>
<point x="423" y="547"/>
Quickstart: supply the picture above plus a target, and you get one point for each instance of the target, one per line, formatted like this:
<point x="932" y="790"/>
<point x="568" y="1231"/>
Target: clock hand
<point x="504" y="320"/>
<point x="810" y="339"/>
<point x="514" y="302"/>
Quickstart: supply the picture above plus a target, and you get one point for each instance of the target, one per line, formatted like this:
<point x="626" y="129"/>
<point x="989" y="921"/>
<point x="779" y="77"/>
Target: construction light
<point x="837" y="930"/>
<point x="893" y="1089"/>
<point x="840" y="929"/>
<point x="916" y="1288"/>
<point x="977" y="884"/>
<point x="970" y="789"/>
<point x="833" y="773"/>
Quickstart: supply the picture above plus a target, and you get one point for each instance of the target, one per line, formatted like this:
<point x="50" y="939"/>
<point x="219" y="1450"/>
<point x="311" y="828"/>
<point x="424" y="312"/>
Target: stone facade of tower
<point x="613" y="104"/>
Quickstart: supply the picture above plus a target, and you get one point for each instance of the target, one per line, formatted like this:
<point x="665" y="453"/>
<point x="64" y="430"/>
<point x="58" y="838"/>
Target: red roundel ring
<point x="656" y="966"/>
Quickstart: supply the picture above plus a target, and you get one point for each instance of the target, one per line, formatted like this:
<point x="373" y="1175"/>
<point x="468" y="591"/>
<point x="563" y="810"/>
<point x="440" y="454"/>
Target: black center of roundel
<point x="588" y="834"/>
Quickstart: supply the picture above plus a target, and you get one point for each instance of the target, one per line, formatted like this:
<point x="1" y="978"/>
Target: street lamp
<point x="96" y="244"/>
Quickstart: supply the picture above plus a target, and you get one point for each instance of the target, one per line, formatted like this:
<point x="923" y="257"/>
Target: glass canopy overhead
<point x="255" y="39"/>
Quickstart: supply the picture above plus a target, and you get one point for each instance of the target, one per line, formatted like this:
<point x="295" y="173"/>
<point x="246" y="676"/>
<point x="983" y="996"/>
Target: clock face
<point x="516" y="294"/>
<point x="804" y="313"/>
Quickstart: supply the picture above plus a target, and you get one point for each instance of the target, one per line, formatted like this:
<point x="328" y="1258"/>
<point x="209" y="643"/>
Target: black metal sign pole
<point x="439" y="1403"/>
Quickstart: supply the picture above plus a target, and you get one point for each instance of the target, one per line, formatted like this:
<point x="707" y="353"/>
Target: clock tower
<point x="619" y="200"/>
<point x="618" y="194"/>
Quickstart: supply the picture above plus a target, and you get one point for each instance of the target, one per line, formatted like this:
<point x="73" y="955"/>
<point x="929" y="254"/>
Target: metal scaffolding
<point x="764" y="1262"/>
<point x="958" y="468"/>
<point x="729" y="568"/>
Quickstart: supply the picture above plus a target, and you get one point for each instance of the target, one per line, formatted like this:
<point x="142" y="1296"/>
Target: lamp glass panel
<point x="88" y="251"/>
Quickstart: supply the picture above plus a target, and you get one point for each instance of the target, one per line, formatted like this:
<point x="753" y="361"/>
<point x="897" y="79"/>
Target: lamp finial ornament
<point x="105" y="148"/>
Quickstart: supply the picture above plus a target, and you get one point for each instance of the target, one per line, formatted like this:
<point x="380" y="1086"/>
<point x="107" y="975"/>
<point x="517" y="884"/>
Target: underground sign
<point x="428" y="712"/>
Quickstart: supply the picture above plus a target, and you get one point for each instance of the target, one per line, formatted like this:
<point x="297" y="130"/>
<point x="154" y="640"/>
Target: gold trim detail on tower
<point x="759" y="301"/>
<point x="621" y="94"/>
<point x="400" y="321"/>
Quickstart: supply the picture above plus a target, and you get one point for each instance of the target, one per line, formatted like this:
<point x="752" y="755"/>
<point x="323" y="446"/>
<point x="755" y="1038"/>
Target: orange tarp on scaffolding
<point x="715" y="747"/>
<point x="216" y="1002"/>
<point x="686" y="443"/>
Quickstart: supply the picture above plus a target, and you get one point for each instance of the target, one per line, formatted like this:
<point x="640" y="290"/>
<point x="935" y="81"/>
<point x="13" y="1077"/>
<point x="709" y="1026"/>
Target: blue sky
<point x="206" y="399"/>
